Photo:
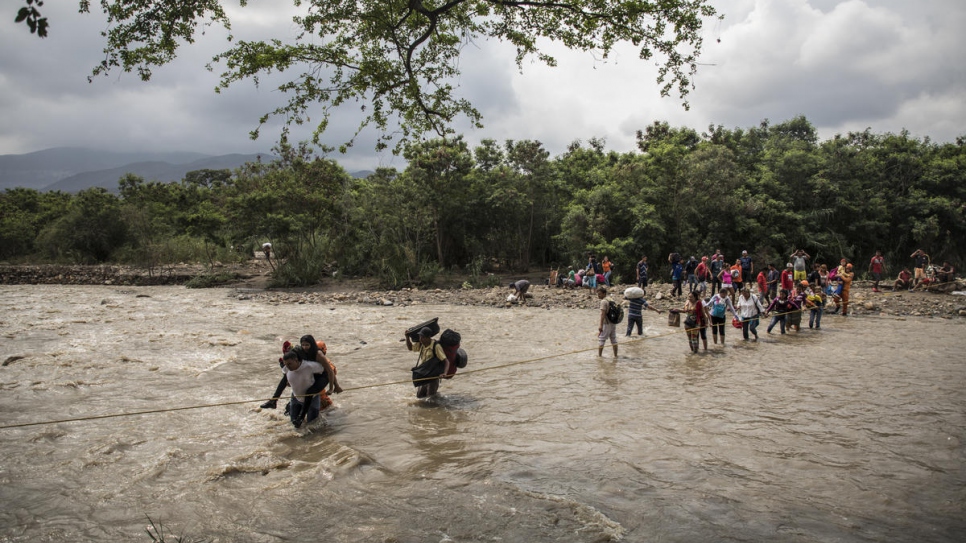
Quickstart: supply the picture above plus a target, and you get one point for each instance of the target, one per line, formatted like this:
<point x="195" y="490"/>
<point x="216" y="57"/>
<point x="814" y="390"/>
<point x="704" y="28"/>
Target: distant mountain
<point x="42" y="168"/>
<point x="73" y="169"/>
<point x="150" y="171"/>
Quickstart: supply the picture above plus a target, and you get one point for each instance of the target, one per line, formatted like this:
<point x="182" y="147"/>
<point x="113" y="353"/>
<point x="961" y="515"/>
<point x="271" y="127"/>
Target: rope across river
<point x="350" y="389"/>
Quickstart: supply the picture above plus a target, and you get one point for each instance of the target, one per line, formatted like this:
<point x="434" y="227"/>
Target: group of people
<point x="591" y="276"/>
<point x="309" y="372"/>
<point x="717" y="289"/>
<point x="312" y="376"/>
<point x="782" y="296"/>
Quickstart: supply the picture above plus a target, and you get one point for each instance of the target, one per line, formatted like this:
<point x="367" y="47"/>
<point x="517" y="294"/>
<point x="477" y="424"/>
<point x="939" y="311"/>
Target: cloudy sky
<point x="887" y="65"/>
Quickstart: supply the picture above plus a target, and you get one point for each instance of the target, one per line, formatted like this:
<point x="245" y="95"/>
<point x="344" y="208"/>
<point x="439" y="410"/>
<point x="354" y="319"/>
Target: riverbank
<point x="251" y="279"/>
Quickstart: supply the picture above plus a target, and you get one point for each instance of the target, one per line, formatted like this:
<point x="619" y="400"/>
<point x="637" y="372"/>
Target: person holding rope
<point x="432" y="362"/>
<point x="696" y="323"/>
<point x="782" y="306"/>
<point x="307" y="349"/>
<point x="303" y="375"/>
<point x="749" y="309"/>
<point x="719" y="304"/>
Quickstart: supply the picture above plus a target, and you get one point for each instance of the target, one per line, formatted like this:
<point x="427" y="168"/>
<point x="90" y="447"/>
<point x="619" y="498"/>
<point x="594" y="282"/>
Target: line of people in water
<point x="783" y="296"/>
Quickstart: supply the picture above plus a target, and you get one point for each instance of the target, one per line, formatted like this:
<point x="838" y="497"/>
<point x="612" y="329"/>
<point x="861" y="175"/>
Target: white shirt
<point x="301" y="379"/>
<point x="750" y="307"/>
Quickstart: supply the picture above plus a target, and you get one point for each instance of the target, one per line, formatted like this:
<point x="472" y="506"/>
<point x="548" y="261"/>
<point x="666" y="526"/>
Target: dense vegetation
<point x="768" y="189"/>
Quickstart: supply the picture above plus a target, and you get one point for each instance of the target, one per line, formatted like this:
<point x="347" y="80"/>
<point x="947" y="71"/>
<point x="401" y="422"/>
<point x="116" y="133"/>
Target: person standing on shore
<point x="800" y="265"/>
<point x="876" y="269"/>
<point x="642" y="273"/>
<point x="605" y="329"/>
<point x="677" y="272"/>
<point x="920" y="261"/>
<point x="690" y="272"/>
<point x="607" y="267"/>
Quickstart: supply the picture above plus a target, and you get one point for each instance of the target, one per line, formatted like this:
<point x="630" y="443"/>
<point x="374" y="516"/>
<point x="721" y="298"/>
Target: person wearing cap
<point x="800" y="264"/>
<point x="432" y="362"/>
<point x="787" y="277"/>
<point x="701" y="273"/>
<point x="747" y="268"/>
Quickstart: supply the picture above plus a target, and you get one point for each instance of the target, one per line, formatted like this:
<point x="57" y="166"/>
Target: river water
<point x="852" y="433"/>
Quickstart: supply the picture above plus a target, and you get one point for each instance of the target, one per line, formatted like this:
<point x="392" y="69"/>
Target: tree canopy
<point x="397" y="59"/>
<point x="769" y="190"/>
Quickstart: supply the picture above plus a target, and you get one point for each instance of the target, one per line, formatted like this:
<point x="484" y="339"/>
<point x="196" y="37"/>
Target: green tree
<point x="438" y="172"/>
<point x="89" y="231"/>
<point x="399" y="59"/>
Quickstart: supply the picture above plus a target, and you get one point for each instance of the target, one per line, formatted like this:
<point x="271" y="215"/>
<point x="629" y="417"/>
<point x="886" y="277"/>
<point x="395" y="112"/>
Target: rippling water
<point x="854" y="433"/>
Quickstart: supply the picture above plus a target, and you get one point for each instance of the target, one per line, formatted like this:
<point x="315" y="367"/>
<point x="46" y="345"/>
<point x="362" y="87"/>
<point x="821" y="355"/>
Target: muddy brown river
<point x="854" y="433"/>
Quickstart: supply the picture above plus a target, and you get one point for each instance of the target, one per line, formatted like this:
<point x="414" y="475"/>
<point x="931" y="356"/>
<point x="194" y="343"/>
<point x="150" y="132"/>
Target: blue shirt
<point x="636" y="307"/>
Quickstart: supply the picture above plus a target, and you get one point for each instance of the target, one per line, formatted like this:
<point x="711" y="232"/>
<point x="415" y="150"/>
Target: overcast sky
<point x="887" y="65"/>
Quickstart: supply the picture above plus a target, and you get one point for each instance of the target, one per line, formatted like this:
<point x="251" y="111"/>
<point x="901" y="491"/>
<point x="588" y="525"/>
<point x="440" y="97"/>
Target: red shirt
<point x="787" y="280"/>
<point x="878" y="264"/>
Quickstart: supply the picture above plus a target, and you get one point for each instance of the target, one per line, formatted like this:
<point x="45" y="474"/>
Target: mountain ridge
<point x="73" y="169"/>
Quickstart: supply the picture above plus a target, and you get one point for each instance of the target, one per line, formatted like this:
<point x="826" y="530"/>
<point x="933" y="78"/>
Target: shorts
<point x="609" y="331"/>
<point x="876" y="276"/>
<point x="800" y="275"/>
<point x="920" y="273"/>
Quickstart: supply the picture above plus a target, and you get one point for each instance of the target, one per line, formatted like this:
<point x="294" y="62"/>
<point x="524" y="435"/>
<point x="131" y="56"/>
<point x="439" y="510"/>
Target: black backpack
<point x="615" y="312"/>
<point x="450" y="340"/>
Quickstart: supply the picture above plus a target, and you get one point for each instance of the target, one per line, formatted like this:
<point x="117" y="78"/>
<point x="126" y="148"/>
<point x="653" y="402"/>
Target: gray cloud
<point x="885" y="64"/>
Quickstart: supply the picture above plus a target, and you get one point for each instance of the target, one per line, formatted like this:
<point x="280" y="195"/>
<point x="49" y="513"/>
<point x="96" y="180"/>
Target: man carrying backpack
<point x="607" y="328"/>
<point x="432" y="363"/>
